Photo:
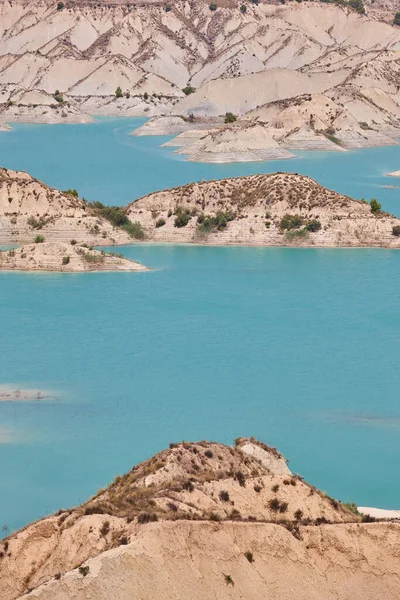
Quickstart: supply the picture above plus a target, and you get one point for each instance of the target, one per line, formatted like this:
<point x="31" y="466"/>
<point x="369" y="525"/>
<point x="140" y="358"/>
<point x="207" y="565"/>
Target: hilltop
<point x="314" y="75"/>
<point x="277" y="209"/>
<point x="201" y="520"/>
<point x="67" y="258"/>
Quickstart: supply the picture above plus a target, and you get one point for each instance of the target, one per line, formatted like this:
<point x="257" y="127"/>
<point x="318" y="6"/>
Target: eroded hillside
<point x="201" y="520"/>
<point x="29" y="208"/>
<point x="67" y="64"/>
<point x="272" y="210"/>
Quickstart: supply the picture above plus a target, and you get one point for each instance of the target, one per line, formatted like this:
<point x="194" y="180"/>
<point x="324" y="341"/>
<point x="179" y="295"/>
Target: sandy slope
<point x="175" y="526"/>
<point x="67" y="258"/>
<point x="257" y="204"/>
<point x="177" y="561"/>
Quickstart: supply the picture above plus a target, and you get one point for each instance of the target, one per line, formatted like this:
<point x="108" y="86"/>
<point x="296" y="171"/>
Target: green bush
<point x="93" y="258"/>
<point x="72" y="193"/>
<point x="249" y="556"/>
<point x="60" y="5"/>
<point x="352" y="507"/>
<point x="396" y="230"/>
<point x="396" y="20"/>
<point x="375" y="206"/>
<point x="160" y="222"/>
<point x="168" y="8"/>
<point x="145" y="96"/>
<point x="118" y="92"/>
<point x="182" y="217"/>
<point x="65" y="260"/>
<point x="34" y="223"/>
<point x="117" y="217"/>
<point x="290" y="222"/>
<point x="58" y="97"/>
<point x="243" y="9"/>
<point x="313" y="226"/>
<point x="39" y="239"/>
<point x="207" y="224"/>
<point x="358" y="6"/>
<point x="230" y="117"/>
<point x="188" y="90"/>
<point x="135" y="230"/>
<point x="73" y="242"/>
<point x="84" y="570"/>
<point x="212" y="6"/>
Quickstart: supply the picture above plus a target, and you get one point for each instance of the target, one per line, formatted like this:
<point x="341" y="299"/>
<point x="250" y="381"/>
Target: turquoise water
<point x="297" y="347"/>
<point x="104" y="163"/>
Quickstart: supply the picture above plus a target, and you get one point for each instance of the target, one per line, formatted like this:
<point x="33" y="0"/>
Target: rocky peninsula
<point x="278" y="209"/>
<point x="202" y="520"/>
<point x="66" y="258"/>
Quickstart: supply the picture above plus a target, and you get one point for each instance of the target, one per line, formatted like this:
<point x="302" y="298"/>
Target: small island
<point x="393" y="174"/>
<point x="63" y="257"/>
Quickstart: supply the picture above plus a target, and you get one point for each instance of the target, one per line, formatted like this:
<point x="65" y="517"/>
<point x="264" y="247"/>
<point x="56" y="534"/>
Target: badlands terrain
<point x="203" y="520"/>
<point x="304" y="75"/>
<point x="278" y="209"/>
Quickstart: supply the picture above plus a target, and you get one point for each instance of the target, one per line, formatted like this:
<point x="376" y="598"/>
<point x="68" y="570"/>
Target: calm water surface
<point x="297" y="347"/>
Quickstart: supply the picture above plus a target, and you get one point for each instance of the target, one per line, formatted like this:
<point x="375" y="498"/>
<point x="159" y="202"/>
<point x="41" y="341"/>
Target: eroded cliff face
<point x="231" y="560"/>
<point x="272" y="210"/>
<point x="232" y="60"/>
<point x="190" y="488"/>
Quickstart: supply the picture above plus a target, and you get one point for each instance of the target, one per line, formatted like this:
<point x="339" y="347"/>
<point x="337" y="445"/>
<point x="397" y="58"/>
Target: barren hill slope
<point x="271" y="210"/>
<point x="28" y="208"/>
<point x="204" y="520"/>
<point x="233" y="60"/>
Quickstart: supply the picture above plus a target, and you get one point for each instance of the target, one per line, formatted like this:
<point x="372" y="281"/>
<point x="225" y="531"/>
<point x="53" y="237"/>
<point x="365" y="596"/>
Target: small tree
<point x="146" y="96"/>
<point x="118" y="92"/>
<point x="60" y="5"/>
<point x="168" y="8"/>
<point x="212" y="6"/>
<point x="396" y="20"/>
<point x="188" y="90"/>
<point x="375" y="206"/>
<point x="243" y="9"/>
<point x="230" y="117"/>
<point x="39" y="239"/>
<point x="65" y="260"/>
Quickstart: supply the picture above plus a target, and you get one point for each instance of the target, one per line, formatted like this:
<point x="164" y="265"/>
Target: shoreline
<point x="380" y="513"/>
<point x="262" y="155"/>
